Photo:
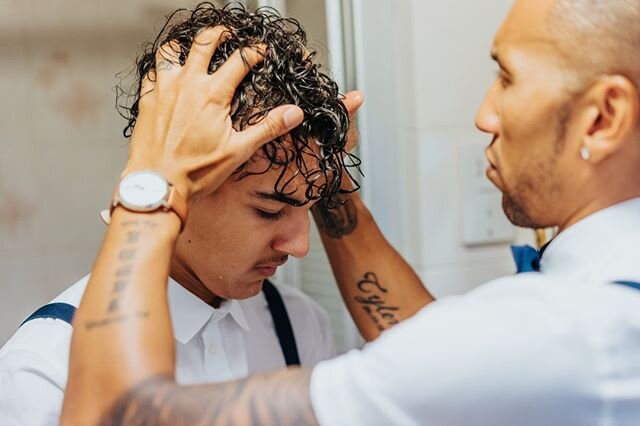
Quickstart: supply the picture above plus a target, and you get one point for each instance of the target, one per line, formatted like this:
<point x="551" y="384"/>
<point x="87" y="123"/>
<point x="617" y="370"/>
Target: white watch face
<point x="145" y="190"/>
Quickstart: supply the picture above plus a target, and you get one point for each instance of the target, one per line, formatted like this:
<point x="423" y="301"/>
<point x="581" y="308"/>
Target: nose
<point x="293" y="239"/>
<point x="487" y="119"/>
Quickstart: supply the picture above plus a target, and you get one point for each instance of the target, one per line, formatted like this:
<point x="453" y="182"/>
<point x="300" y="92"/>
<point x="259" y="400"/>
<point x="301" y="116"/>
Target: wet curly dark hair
<point x="287" y="75"/>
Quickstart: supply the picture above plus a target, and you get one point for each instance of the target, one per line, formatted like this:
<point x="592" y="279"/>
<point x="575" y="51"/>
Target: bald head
<point x="597" y="37"/>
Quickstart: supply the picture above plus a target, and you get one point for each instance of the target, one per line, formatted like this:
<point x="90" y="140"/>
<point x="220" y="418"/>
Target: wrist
<point x="165" y="224"/>
<point x="147" y="192"/>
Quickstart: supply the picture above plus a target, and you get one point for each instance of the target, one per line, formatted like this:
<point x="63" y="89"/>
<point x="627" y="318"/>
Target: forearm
<point x="278" y="398"/>
<point x="122" y="330"/>
<point x="378" y="286"/>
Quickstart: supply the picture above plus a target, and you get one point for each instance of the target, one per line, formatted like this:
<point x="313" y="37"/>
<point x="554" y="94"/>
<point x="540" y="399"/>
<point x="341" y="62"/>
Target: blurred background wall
<point x="423" y="65"/>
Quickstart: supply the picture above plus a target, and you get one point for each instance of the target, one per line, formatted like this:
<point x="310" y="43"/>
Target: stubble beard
<point x="529" y="191"/>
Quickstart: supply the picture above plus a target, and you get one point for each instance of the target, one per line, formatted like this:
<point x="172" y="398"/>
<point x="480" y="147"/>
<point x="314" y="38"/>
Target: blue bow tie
<point x="527" y="258"/>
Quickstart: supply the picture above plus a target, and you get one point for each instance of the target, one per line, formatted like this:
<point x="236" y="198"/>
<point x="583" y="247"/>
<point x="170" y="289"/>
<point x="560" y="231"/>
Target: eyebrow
<point x="273" y="196"/>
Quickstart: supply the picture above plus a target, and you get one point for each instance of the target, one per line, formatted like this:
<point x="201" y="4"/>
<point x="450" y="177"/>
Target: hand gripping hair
<point x="315" y="150"/>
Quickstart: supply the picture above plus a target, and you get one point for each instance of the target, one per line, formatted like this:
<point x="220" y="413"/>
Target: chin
<point x="245" y="290"/>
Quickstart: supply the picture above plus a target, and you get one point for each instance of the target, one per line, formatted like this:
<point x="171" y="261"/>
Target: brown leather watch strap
<point x="177" y="203"/>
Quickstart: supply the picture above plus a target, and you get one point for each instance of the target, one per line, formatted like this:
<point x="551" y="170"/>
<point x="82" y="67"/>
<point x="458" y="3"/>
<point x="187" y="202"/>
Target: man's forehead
<point x="526" y="22"/>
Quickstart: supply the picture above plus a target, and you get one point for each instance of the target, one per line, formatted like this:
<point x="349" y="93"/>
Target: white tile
<point x="440" y="201"/>
<point x="460" y="278"/>
<point x="452" y="69"/>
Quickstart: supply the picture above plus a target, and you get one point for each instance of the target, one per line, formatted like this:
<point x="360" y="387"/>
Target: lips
<point x="266" y="271"/>
<point x="492" y="171"/>
<point x="269" y="269"/>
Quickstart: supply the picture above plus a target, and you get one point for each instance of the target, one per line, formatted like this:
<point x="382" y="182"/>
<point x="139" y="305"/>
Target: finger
<point x="234" y="70"/>
<point x="278" y="122"/>
<point x="147" y="84"/>
<point x="204" y="46"/>
<point x="167" y="62"/>
<point x="147" y="88"/>
<point x="353" y="101"/>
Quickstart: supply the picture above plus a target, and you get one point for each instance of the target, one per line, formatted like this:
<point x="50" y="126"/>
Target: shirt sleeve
<point x="481" y="359"/>
<point x="29" y="393"/>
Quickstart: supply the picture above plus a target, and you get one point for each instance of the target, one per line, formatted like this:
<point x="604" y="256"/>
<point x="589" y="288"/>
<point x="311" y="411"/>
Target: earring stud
<point x="585" y="153"/>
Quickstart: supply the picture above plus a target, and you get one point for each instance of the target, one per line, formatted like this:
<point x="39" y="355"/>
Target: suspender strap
<point x="631" y="284"/>
<point x="60" y="311"/>
<point x="284" y="331"/>
<point x="282" y="324"/>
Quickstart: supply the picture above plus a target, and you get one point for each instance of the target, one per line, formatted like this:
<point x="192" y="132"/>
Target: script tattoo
<point x="336" y="221"/>
<point x="373" y="302"/>
<point x="121" y="279"/>
<point x="280" y="398"/>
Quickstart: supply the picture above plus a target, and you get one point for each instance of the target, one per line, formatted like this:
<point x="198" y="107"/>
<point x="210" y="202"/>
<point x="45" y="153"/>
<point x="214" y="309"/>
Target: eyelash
<point x="268" y="215"/>
<point x="504" y="80"/>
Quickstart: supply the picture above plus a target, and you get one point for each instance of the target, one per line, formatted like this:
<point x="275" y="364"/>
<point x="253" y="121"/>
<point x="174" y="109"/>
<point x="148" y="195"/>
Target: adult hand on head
<point x="184" y="129"/>
<point x="352" y="101"/>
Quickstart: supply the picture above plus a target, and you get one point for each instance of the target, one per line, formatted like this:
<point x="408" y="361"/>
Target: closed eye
<point x="270" y="215"/>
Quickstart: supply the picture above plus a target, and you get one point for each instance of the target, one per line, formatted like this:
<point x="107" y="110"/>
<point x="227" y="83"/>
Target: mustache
<point x="274" y="260"/>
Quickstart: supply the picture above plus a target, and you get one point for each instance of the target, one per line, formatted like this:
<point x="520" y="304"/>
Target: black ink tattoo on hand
<point x="164" y="65"/>
<point x="336" y="221"/>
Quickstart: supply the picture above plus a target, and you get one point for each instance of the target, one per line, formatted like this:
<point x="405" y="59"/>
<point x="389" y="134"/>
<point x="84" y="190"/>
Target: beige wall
<point x="61" y="146"/>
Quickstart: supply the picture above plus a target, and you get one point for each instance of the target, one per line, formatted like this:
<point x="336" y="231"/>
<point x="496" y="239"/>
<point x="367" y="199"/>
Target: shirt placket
<point x="216" y="363"/>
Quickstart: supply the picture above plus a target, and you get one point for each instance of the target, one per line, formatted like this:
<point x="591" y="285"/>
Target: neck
<point x="595" y="205"/>
<point x="188" y="279"/>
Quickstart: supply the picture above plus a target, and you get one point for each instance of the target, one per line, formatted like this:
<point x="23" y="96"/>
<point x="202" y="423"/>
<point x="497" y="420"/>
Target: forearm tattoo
<point x="372" y="300"/>
<point x="122" y="278"/>
<point x="338" y="221"/>
<point x="280" y="398"/>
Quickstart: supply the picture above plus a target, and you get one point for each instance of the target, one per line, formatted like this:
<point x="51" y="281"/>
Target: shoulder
<point x="512" y="340"/>
<point x="41" y="346"/>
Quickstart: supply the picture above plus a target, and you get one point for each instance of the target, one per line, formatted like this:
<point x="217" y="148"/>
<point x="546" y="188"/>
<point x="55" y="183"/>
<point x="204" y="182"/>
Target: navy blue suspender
<point x="282" y="324"/>
<point x="281" y="321"/>
<point x="59" y="311"/>
<point x="631" y="284"/>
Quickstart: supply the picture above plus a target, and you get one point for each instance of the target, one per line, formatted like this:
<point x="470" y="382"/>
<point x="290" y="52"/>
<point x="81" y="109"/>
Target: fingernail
<point x="292" y="117"/>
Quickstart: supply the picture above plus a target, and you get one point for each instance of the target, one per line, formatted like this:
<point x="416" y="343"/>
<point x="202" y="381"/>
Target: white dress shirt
<point x="559" y="347"/>
<point x="211" y="345"/>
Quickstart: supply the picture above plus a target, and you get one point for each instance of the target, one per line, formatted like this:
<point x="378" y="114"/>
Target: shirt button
<point x="211" y="348"/>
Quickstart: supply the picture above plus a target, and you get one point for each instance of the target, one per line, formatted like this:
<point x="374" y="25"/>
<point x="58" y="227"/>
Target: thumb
<point x="353" y="101"/>
<point x="279" y="121"/>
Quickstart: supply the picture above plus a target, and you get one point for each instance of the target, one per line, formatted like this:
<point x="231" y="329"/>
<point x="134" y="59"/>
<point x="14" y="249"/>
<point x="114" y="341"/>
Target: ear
<point x="612" y="114"/>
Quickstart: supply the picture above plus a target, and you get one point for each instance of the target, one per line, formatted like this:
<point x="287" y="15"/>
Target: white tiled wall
<point x="426" y="70"/>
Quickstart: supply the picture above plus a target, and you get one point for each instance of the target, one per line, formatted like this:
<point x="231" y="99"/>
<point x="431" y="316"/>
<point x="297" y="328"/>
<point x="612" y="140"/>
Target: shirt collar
<point x="578" y="246"/>
<point x="189" y="313"/>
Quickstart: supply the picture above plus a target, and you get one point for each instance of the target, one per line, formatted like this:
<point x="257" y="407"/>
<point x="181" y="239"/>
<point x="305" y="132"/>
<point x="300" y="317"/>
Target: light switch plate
<point x="483" y="221"/>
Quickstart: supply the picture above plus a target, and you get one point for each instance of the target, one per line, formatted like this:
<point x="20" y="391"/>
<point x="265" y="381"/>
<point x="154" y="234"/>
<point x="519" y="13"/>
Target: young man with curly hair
<point x="235" y="238"/>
